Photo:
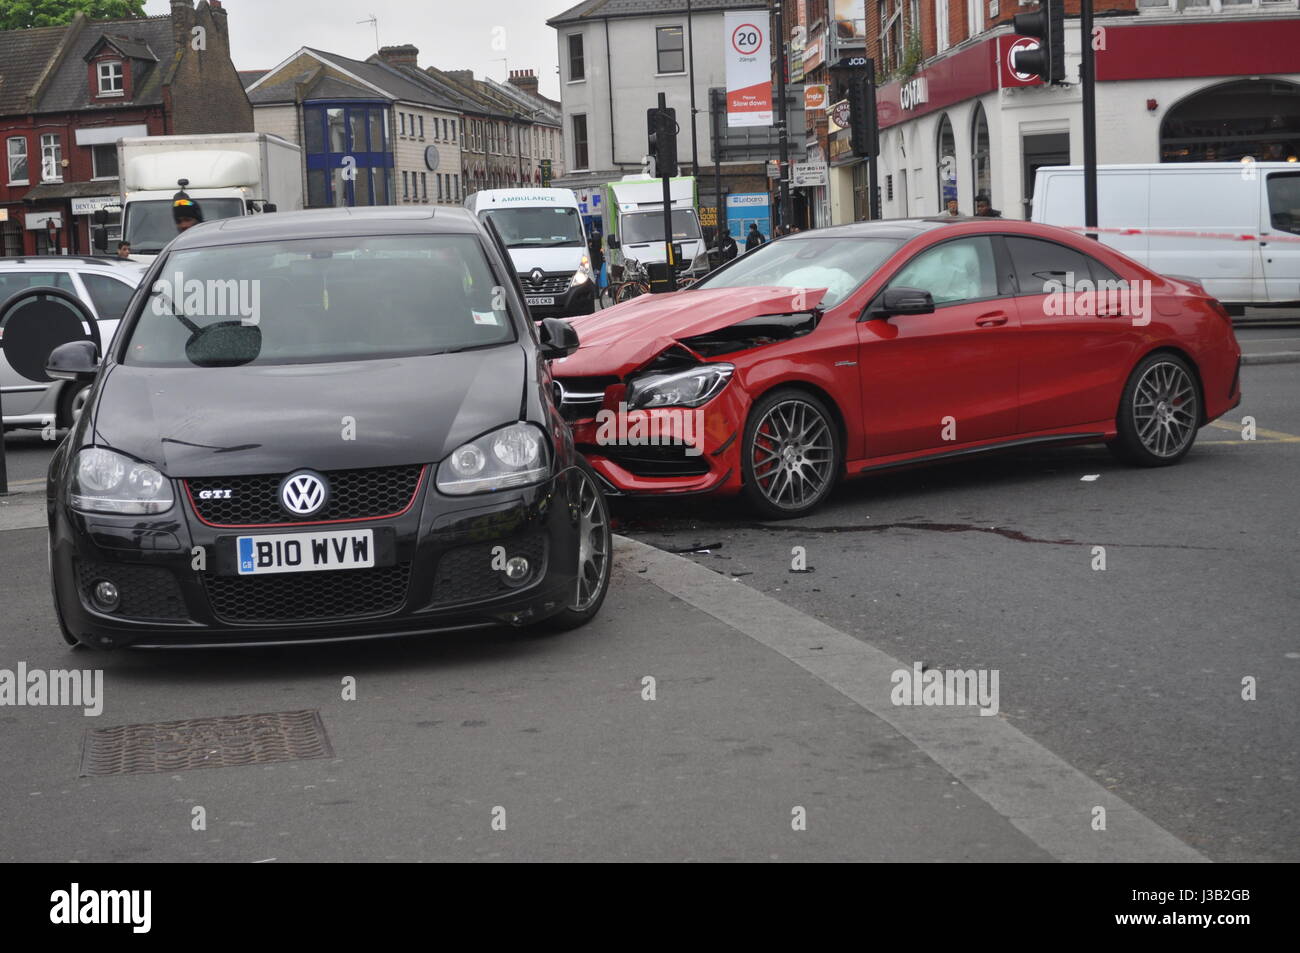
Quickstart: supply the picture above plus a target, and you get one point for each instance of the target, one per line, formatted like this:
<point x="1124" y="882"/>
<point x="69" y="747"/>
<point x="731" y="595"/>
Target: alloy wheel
<point x="793" y="454"/>
<point x="1165" y="409"/>
<point x="593" y="546"/>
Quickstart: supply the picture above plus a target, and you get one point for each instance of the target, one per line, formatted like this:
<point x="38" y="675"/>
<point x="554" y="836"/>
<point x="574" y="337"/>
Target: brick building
<point x="1177" y="80"/>
<point x="68" y="93"/>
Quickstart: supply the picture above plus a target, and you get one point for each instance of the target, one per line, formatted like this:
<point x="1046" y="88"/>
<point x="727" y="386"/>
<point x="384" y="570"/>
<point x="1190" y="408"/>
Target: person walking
<point x="727" y="248"/>
<point x="754" y="238"/>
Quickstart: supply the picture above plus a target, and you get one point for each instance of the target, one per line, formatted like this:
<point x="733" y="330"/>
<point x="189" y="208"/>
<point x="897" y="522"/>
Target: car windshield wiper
<point x="171" y="309"/>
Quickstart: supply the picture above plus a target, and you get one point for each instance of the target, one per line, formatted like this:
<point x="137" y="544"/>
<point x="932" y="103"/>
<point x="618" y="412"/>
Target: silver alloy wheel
<point x="1165" y="409"/>
<point x="593" y="546"/>
<point x="793" y="454"/>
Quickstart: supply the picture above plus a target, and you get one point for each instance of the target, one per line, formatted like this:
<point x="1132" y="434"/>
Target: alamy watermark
<point x="58" y="688"/>
<point x="948" y="687"/>
<point x="666" y="427"/>
<point x="229" y="298"/>
<point x="1085" y="298"/>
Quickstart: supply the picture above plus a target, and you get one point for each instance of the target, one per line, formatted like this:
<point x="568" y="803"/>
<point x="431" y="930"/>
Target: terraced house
<point x="68" y="93"/>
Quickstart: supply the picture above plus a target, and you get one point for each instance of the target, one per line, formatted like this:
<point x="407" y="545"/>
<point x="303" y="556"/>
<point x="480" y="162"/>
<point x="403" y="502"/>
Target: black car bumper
<point x="437" y="569"/>
<point x="579" y="299"/>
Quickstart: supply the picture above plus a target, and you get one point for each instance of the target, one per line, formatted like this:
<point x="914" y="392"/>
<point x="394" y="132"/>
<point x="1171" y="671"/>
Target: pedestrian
<point x="984" y="208"/>
<point x="185" y="211"/>
<point x="754" y="238"/>
<point x="727" y="248"/>
<point x="124" y="250"/>
<point x="596" y="252"/>
<point x="952" y="208"/>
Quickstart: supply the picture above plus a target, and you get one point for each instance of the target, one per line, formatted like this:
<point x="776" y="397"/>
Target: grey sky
<point x="451" y="34"/>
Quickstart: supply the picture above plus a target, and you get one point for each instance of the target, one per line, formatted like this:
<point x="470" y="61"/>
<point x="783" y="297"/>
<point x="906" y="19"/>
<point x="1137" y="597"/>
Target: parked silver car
<point x="105" y="285"/>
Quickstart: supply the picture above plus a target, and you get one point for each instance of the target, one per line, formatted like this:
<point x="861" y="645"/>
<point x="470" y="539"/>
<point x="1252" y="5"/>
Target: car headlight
<point x="688" y="388"/>
<point x="581" y="276"/>
<point x="104" y="481"/>
<point x="510" y="457"/>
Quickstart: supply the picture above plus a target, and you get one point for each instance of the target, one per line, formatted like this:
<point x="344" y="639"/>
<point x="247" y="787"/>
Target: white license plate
<point x="539" y="301"/>
<point x="305" y="552"/>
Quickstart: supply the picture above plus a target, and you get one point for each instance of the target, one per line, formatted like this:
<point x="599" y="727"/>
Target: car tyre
<point x="1159" y="412"/>
<point x="54" y="595"/>
<point x="790" y="455"/>
<point x="595" y="554"/>
<point x="72" y="401"/>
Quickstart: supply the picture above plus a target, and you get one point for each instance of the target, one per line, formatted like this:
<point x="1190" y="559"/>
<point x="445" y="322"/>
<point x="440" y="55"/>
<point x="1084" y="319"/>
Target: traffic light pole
<point x="873" y="183"/>
<point x="668" y="205"/>
<point x="1088" y="79"/>
<point x="783" y="134"/>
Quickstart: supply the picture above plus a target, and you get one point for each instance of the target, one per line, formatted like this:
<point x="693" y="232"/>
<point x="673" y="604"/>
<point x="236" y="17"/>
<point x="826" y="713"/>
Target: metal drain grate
<point x="204" y="743"/>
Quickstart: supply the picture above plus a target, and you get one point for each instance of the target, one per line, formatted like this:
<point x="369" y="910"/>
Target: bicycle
<point x="633" y="282"/>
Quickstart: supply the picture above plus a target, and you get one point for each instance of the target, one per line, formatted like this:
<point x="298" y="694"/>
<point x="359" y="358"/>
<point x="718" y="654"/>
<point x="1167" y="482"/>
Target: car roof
<point x="330" y="223"/>
<point x="69" y="262"/>
<point x="912" y="228"/>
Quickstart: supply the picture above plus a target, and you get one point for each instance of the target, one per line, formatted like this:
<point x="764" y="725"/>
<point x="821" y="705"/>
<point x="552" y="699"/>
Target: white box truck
<point x="229" y="174"/>
<point x="1234" y="227"/>
<point x="634" y="219"/>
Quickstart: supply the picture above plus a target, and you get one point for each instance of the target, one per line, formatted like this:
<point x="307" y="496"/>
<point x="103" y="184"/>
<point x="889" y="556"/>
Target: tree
<point x="25" y="14"/>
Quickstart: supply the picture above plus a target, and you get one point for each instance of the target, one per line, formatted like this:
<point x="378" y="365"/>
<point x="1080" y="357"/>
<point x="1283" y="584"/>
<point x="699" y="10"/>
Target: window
<point x="402" y="118"/>
<point x="1036" y="263"/>
<point x="439" y="186"/>
<point x="670" y="44"/>
<point x="953" y="272"/>
<point x="455" y="187"/>
<point x="981" y="164"/>
<point x="947" y="164"/>
<point x="51" y="158"/>
<point x="109" y="295"/>
<point x="580" y="160"/>
<point x="435" y="128"/>
<point x="453" y="130"/>
<point x="1284" y="201"/>
<point x="111" y="79"/>
<point x="975" y="16"/>
<point x="941" y="25"/>
<point x="18" y="161"/>
<point x="406" y="185"/>
<point x="577" y="67"/>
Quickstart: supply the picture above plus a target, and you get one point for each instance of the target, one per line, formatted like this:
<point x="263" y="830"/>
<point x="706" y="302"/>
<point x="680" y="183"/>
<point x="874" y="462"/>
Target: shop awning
<point x="62" y="191"/>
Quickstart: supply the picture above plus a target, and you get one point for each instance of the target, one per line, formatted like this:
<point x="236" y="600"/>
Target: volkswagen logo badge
<point x="304" y="493"/>
<point x="537" y="275"/>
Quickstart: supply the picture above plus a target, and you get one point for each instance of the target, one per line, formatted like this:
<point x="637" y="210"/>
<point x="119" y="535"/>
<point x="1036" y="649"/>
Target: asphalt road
<point x="1129" y="678"/>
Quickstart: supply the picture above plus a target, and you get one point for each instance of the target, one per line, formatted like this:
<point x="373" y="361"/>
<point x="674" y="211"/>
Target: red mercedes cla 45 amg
<point x="851" y="349"/>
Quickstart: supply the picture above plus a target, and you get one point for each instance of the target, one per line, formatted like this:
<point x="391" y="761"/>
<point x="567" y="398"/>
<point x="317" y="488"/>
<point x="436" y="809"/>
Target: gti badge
<point x="304" y="493"/>
<point x="216" y="494"/>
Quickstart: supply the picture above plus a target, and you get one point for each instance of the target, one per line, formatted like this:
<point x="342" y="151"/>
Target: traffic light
<point x="864" y="137"/>
<point x="662" y="127"/>
<point x="1047" y="26"/>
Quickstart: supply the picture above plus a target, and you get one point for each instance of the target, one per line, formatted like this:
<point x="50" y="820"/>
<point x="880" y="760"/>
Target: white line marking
<point x="1044" y="797"/>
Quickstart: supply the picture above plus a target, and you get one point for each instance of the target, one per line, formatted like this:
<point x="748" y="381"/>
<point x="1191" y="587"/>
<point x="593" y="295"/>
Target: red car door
<point x="931" y="381"/>
<point x="1077" y="334"/>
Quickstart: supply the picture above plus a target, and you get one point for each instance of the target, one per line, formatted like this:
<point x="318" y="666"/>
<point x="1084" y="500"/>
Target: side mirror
<point x="74" y="361"/>
<point x="899" y="301"/>
<point x="269" y="207"/>
<point x="559" y="339"/>
<point x="39" y="321"/>
<point x="612" y="241"/>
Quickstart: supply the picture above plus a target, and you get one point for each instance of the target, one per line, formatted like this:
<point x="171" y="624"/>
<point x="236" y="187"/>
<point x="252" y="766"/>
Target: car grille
<point x="354" y="495"/>
<point x="308" y="596"/>
<point x="552" y="284"/>
<point x="465" y="574"/>
<point x="145" y="591"/>
<point x="649" y="461"/>
<point x="580" y="398"/>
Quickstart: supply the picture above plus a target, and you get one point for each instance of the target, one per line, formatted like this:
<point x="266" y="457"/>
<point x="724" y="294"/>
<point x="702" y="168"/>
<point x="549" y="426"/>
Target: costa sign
<point x="914" y="93"/>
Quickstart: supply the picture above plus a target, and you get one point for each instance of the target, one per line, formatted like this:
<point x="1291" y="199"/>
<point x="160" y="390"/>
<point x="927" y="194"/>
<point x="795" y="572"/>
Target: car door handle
<point x="991" y="320"/>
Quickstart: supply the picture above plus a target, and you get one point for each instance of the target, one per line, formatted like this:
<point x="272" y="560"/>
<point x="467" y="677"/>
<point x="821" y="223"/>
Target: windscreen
<point x="149" y="226"/>
<point x="639" y="227"/>
<point x="538" y="227"/>
<point x="321" y="300"/>
<point x="838" y="264"/>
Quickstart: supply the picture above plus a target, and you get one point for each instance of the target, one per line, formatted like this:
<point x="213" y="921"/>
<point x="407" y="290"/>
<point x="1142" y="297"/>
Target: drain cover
<point x="204" y="743"/>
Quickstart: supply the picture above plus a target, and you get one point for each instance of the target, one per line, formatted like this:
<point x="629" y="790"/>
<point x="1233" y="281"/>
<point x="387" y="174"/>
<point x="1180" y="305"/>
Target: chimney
<point x="461" y="75"/>
<point x="182" y="23"/>
<point x="406" y="55"/>
<point x="525" y="79"/>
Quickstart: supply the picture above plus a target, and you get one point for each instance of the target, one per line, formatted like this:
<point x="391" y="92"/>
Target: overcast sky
<point x="451" y="34"/>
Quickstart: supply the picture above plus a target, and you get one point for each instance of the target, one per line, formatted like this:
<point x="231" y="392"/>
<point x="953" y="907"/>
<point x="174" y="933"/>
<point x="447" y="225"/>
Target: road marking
<point x="1044" y="797"/>
<point x="1274" y="436"/>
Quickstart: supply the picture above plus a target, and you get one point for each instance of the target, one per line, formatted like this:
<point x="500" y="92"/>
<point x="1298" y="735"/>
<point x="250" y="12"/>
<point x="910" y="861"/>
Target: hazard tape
<point x="1182" y="233"/>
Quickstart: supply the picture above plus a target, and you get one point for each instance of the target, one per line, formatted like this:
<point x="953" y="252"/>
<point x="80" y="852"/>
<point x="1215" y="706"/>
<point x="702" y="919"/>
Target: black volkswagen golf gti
<point x="324" y="425"/>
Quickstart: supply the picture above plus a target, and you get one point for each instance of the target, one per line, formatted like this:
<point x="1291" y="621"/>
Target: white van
<point x="1234" y="227"/>
<point x="548" y="244"/>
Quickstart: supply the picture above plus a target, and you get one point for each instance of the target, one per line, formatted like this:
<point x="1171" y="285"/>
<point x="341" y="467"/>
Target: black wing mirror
<point x="897" y="301"/>
<point x="559" y="339"/>
<point x="40" y="322"/>
<point x="74" y="361"/>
